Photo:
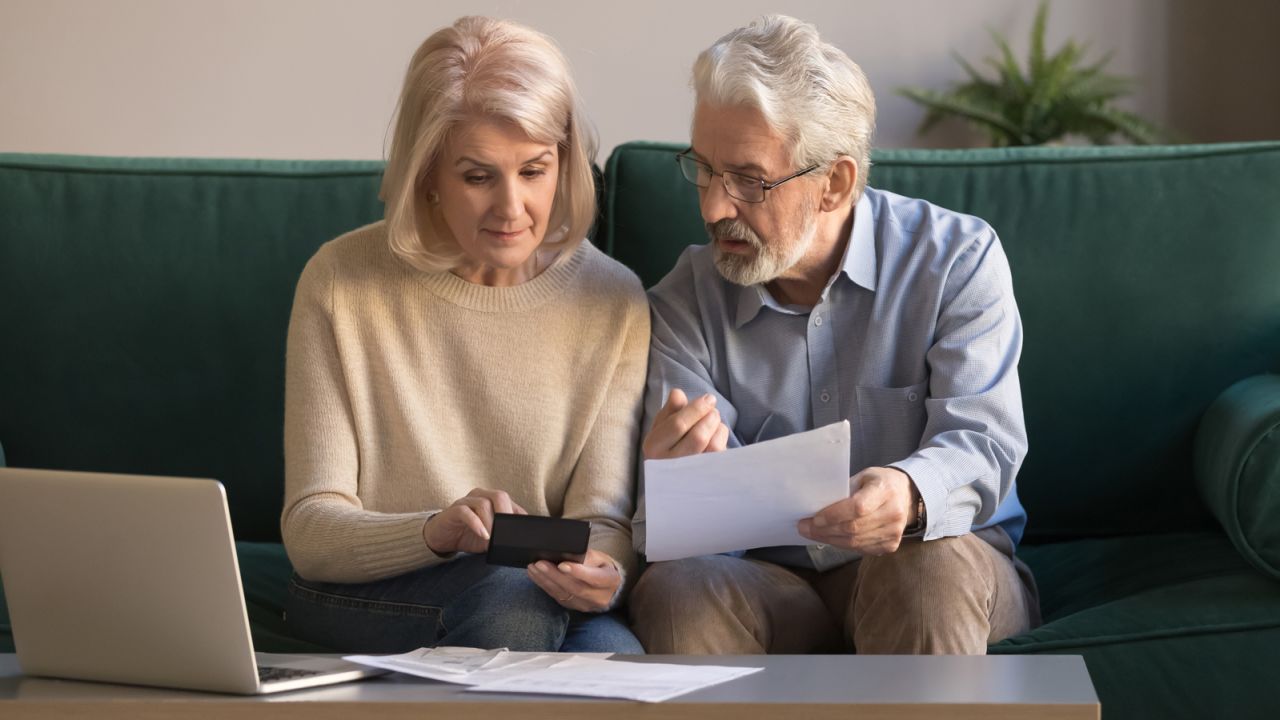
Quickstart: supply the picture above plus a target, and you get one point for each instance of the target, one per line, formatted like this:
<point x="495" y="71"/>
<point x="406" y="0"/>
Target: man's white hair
<point x="808" y="90"/>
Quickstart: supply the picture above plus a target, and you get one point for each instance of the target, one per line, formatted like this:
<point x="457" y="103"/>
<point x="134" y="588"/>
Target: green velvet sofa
<point x="143" y="307"/>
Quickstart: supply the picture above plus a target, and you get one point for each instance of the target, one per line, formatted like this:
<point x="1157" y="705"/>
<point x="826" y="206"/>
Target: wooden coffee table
<point x="808" y="686"/>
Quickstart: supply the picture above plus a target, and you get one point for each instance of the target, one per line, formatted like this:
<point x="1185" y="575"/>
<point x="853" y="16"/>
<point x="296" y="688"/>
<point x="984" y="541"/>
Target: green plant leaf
<point x="1059" y="95"/>
<point x="1015" y="85"/>
<point x="1036" y="62"/>
<point x="1127" y="124"/>
<point x="950" y="104"/>
<point x="974" y="76"/>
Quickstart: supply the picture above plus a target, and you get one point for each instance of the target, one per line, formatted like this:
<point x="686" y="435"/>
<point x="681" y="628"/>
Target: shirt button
<point x="912" y="397"/>
<point x="817" y="320"/>
<point x="825" y="397"/>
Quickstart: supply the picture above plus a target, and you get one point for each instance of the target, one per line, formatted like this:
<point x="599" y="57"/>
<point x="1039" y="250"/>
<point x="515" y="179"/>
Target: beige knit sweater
<point x="405" y="390"/>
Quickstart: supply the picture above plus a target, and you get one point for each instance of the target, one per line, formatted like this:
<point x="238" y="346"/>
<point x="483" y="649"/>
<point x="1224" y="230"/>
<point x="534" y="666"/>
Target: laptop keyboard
<point x="272" y="674"/>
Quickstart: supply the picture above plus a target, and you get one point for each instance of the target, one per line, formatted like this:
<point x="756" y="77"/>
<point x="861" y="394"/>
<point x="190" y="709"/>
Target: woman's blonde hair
<point x="498" y="69"/>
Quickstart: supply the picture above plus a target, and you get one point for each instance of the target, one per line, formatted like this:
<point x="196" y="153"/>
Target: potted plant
<point x="1057" y="96"/>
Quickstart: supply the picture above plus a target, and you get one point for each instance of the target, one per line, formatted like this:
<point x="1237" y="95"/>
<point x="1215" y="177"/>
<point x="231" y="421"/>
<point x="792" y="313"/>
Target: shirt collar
<point x="860" y="255"/>
<point x="858" y="264"/>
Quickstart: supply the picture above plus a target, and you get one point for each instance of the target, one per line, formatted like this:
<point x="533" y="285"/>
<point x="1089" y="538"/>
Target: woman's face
<point x="496" y="187"/>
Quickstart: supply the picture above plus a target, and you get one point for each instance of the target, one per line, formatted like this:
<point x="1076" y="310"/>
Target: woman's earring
<point x="433" y="197"/>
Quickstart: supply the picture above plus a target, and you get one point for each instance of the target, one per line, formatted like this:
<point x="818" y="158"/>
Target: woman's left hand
<point x="588" y="586"/>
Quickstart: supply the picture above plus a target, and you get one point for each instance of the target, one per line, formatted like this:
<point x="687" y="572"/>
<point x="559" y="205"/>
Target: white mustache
<point x="735" y="229"/>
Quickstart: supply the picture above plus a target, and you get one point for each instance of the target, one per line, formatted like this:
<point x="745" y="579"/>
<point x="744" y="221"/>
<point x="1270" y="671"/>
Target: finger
<point x="595" y="558"/>
<point x="889" y="515"/>
<point x="472" y="522"/>
<point x="883" y="517"/>
<point x="805" y="528"/>
<point x="517" y="509"/>
<point x="482" y="508"/>
<point x="499" y="499"/>
<point x="555" y="583"/>
<point x="874" y="541"/>
<point x="858" y="532"/>
<point x="719" y="441"/>
<point x="675" y="400"/>
<point x="668" y="432"/>
<point x="573" y="593"/>
<point x="869" y="498"/>
<point x="698" y="437"/>
<point x="847" y="520"/>
<point x="838" y="512"/>
<point x="652" y="444"/>
<point x="586" y="590"/>
<point x="596" y="577"/>
<point x="502" y="502"/>
<point x="547" y="583"/>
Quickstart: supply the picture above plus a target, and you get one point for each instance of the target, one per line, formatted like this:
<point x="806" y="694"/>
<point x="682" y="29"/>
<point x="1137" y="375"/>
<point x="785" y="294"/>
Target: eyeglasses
<point x="739" y="186"/>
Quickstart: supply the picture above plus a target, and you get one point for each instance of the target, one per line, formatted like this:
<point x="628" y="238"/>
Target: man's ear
<point x="841" y="179"/>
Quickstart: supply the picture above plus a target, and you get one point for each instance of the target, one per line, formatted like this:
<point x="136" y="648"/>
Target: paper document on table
<point x="743" y="498"/>
<point x="467" y="666"/>
<point x="647" y="682"/>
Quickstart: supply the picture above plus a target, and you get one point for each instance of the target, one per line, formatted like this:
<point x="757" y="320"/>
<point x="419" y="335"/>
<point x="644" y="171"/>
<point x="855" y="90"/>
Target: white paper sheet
<point x="467" y="666"/>
<point x="744" y="498"/>
<point x="647" y="682"/>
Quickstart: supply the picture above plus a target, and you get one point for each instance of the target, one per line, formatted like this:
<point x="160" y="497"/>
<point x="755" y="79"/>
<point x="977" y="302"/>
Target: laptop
<point x="134" y="579"/>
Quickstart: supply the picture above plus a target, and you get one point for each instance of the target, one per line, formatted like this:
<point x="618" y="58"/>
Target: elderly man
<point x="820" y="299"/>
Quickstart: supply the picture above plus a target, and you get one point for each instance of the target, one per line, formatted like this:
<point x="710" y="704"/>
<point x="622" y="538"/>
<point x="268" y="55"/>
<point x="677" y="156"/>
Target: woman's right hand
<point x="465" y="525"/>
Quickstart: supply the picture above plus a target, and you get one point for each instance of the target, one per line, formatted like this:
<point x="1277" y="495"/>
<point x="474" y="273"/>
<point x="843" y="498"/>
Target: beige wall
<point x="319" y="78"/>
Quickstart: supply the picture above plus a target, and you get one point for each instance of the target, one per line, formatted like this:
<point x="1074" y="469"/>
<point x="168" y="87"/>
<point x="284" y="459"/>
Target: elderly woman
<point x="465" y="356"/>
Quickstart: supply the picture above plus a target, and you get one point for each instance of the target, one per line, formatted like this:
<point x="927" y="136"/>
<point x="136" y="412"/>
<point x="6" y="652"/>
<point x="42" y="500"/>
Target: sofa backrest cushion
<point x="144" y="304"/>
<point x="1148" y="280"/>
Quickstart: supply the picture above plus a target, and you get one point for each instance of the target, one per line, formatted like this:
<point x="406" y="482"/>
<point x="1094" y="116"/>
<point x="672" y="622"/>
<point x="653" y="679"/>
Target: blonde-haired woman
<point x="467" y="355"/>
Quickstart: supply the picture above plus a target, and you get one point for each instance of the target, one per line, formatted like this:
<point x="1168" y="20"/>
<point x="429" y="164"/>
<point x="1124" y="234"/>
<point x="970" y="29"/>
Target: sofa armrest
<point x="1237" y="467"/>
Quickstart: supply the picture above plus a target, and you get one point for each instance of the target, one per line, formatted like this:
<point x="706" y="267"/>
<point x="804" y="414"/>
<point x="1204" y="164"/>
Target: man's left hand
<point x="871" y="520"/>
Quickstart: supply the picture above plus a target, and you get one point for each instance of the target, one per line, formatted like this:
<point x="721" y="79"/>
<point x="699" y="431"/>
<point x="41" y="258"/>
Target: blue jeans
<point x="465" y="602"/>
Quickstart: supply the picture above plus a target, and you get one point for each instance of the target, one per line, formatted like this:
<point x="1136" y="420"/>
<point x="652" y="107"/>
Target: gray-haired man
<point x="819" y="299"/>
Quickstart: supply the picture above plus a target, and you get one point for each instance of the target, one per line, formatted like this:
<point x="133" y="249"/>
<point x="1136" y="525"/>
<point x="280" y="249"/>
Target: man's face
<point x="753" y="242"/>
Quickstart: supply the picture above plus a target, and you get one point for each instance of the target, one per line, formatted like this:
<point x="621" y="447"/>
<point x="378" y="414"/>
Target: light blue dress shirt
<point x="915" y="341"/>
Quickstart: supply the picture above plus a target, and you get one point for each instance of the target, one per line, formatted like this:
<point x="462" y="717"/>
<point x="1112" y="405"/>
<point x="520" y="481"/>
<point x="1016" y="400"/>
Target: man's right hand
<point x="686" y="428"/>
<point x="465" y="525"/>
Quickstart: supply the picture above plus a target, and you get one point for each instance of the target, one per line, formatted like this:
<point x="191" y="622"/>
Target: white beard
<point x="769" y="261"/>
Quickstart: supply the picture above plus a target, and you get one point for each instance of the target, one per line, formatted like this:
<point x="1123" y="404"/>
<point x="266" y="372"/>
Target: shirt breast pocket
<point x="891" y="422"/>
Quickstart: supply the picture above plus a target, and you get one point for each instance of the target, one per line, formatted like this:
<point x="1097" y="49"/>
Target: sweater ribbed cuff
<point x="394" y="545"/>
<point x="617" y="547"/>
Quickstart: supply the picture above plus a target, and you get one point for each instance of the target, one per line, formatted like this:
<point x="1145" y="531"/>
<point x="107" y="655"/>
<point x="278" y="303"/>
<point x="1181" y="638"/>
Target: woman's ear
<point x="841" y="179"/>
<point x="425" y="187"/>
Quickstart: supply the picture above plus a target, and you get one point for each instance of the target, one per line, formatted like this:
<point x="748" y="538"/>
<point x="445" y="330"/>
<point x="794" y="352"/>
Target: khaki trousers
<point x="952" y="596"/>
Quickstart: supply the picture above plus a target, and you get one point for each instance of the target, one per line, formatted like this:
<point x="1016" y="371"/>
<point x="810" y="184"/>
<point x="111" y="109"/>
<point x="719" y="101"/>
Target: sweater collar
<point x="548" y="284"/>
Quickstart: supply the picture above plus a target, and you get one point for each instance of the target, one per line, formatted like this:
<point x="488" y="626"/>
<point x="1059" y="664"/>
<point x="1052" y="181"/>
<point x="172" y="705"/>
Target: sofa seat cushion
<point x="1170" y="626"/>
<point x="1093" y="592"/>
<point x="264" y="572"/>
<point x="1117" y="590"/>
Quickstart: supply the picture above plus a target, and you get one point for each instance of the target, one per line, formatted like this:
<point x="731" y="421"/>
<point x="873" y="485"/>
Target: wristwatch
<point x="917" y="528"/>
